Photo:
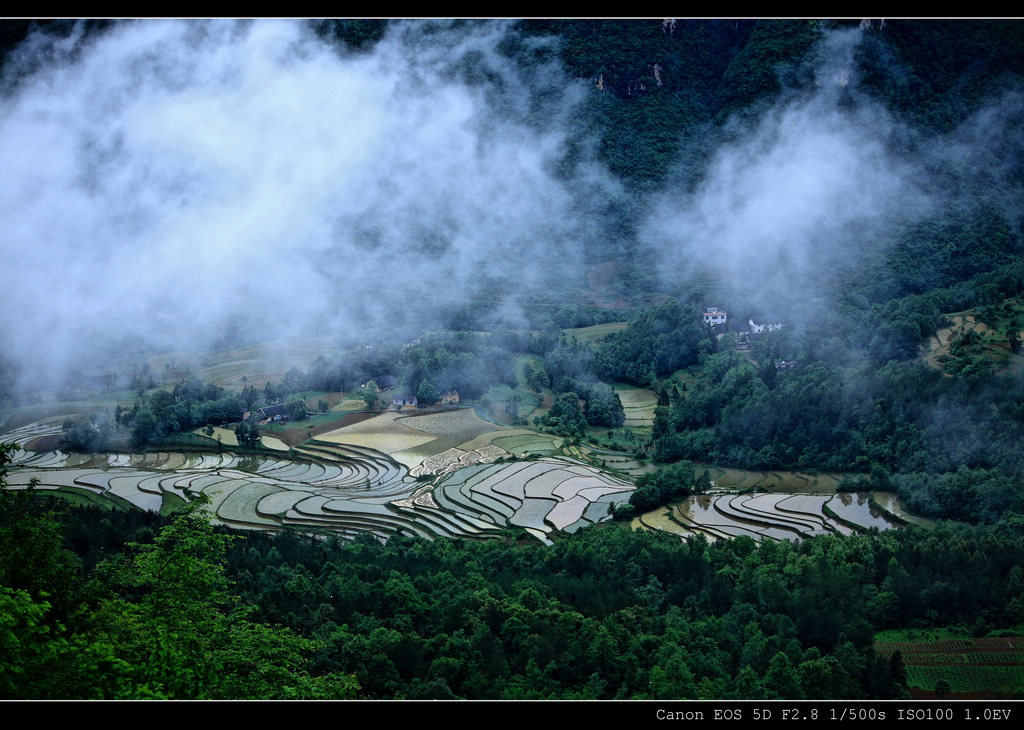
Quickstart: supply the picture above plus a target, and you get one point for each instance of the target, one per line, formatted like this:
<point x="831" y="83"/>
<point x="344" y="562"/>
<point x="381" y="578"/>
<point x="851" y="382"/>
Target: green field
<point x="595" y="332"/>
<point x="258" y="364"/>
<point x="638" y="404"/>
<point x="972" y="667"/>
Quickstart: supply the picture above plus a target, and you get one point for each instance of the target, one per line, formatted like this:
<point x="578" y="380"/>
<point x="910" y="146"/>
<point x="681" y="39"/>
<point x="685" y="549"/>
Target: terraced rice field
<point x="346" y="482"/>
<point x="524" y="443"/>
<point x="781" y="481"/>
<point x="856" y="509"/>
<point x="540" y="496"/>
<point x="616" y="460"/>
<point x="661" y="519"/>
<point x="267" y="362"/>
<point x="383" y="433"/>
<point x="638" y="404"/>
<point x="775" y="516"/>
<point x="228" y="438"/>
<point x="889" y="503"/>
<point x="994" y="343"/>
<point x="345" y="487"/>
<point x="411" y="440"/>
<point x="462" y="424"/>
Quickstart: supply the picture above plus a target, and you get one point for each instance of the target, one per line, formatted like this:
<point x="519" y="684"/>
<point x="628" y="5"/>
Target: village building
<point x="404" y="399"/>
<point x="770" y="324"/>
<point x="714" y="317"/>
<point x="276" y="412"/>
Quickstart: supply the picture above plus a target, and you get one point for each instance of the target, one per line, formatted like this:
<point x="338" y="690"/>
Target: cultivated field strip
<point x="347" y="489"/>
<point x="638" y="405"/>
<point x="759" y="516"/>
<point x="855" y="508"/>
<point x="343" y="488"/>
<point x="661" y="519"/>
<point x="889" y="502"/>
<point x="734" y="515"/>
<point x="984" y="645"/>
<point x="540" y="496"/>
<point x="765" y="507"/>
<point x="988" y="664"/>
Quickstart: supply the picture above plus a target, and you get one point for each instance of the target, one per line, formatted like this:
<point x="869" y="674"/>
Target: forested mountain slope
<point x="446" y="205"/>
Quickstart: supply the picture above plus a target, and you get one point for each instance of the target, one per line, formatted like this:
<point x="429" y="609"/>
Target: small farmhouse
<point x="770" y="324"/>
<point x="277" y="412"/>
<point x="714" y="317"/>
<point x="404" y="399"/>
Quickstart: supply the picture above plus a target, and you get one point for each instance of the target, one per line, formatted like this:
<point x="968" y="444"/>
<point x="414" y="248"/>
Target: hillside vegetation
<point x="426" y="490"/>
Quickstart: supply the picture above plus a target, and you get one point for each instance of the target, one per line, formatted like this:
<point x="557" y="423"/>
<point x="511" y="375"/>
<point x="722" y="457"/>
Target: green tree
<point x="566" y="416"/>
<point x="782" y="681"/>
<point x="30" y="644"/>
<point x="32" y="553"/>
<point x="144" y="427"/>
<point x="187" y="637"/>
<point x="427" y="393"/>
<point x="297" y="409"/>
<point x="248" y="434"/>
<point x="370" y="394"/>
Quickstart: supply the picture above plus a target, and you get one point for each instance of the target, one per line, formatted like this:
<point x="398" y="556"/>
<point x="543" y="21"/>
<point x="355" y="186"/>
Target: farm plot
<point x="346" y="487"/>
<point x="241" y="507"/>
<point x="765" y="507"/>
<point x="596" y="332"/>
<point x="638" y="405"/>
<point x="384" y="433"/>
<point x="363" y="473"/>
<point x="528" y="442"/>
<point x="978" y="681"/>
<point x="775" y="516"/>
<point x="889" y="502"/>
<point x="541" y="496"/>
<point x="268" y="361"/>
<point x="227" y="437"/>
<point x="699" y="514"/>
<point x="569" y="512"/>
<point x="661" y="519"/>
<point x="855" y="509"/>
<point x="975" y="668"/>
<point x="432" y="457"/>
<point x="783" y="482"/>
<point x="462" y="424"/>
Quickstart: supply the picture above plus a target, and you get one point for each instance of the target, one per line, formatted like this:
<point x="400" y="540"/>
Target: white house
<point x="767" y="327"/>
<point x="713" y="316"/>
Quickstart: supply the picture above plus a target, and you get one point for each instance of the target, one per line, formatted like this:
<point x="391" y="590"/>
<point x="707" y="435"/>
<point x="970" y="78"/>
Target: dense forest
<point x="131" y="605"/>
<point x="183" y="611"/>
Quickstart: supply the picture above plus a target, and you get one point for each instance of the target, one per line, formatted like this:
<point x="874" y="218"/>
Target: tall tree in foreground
<point x="188" y="637"/>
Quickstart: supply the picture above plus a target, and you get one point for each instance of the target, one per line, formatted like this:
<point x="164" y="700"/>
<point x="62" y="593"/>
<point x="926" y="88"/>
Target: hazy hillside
<point x="203" y="218"/>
